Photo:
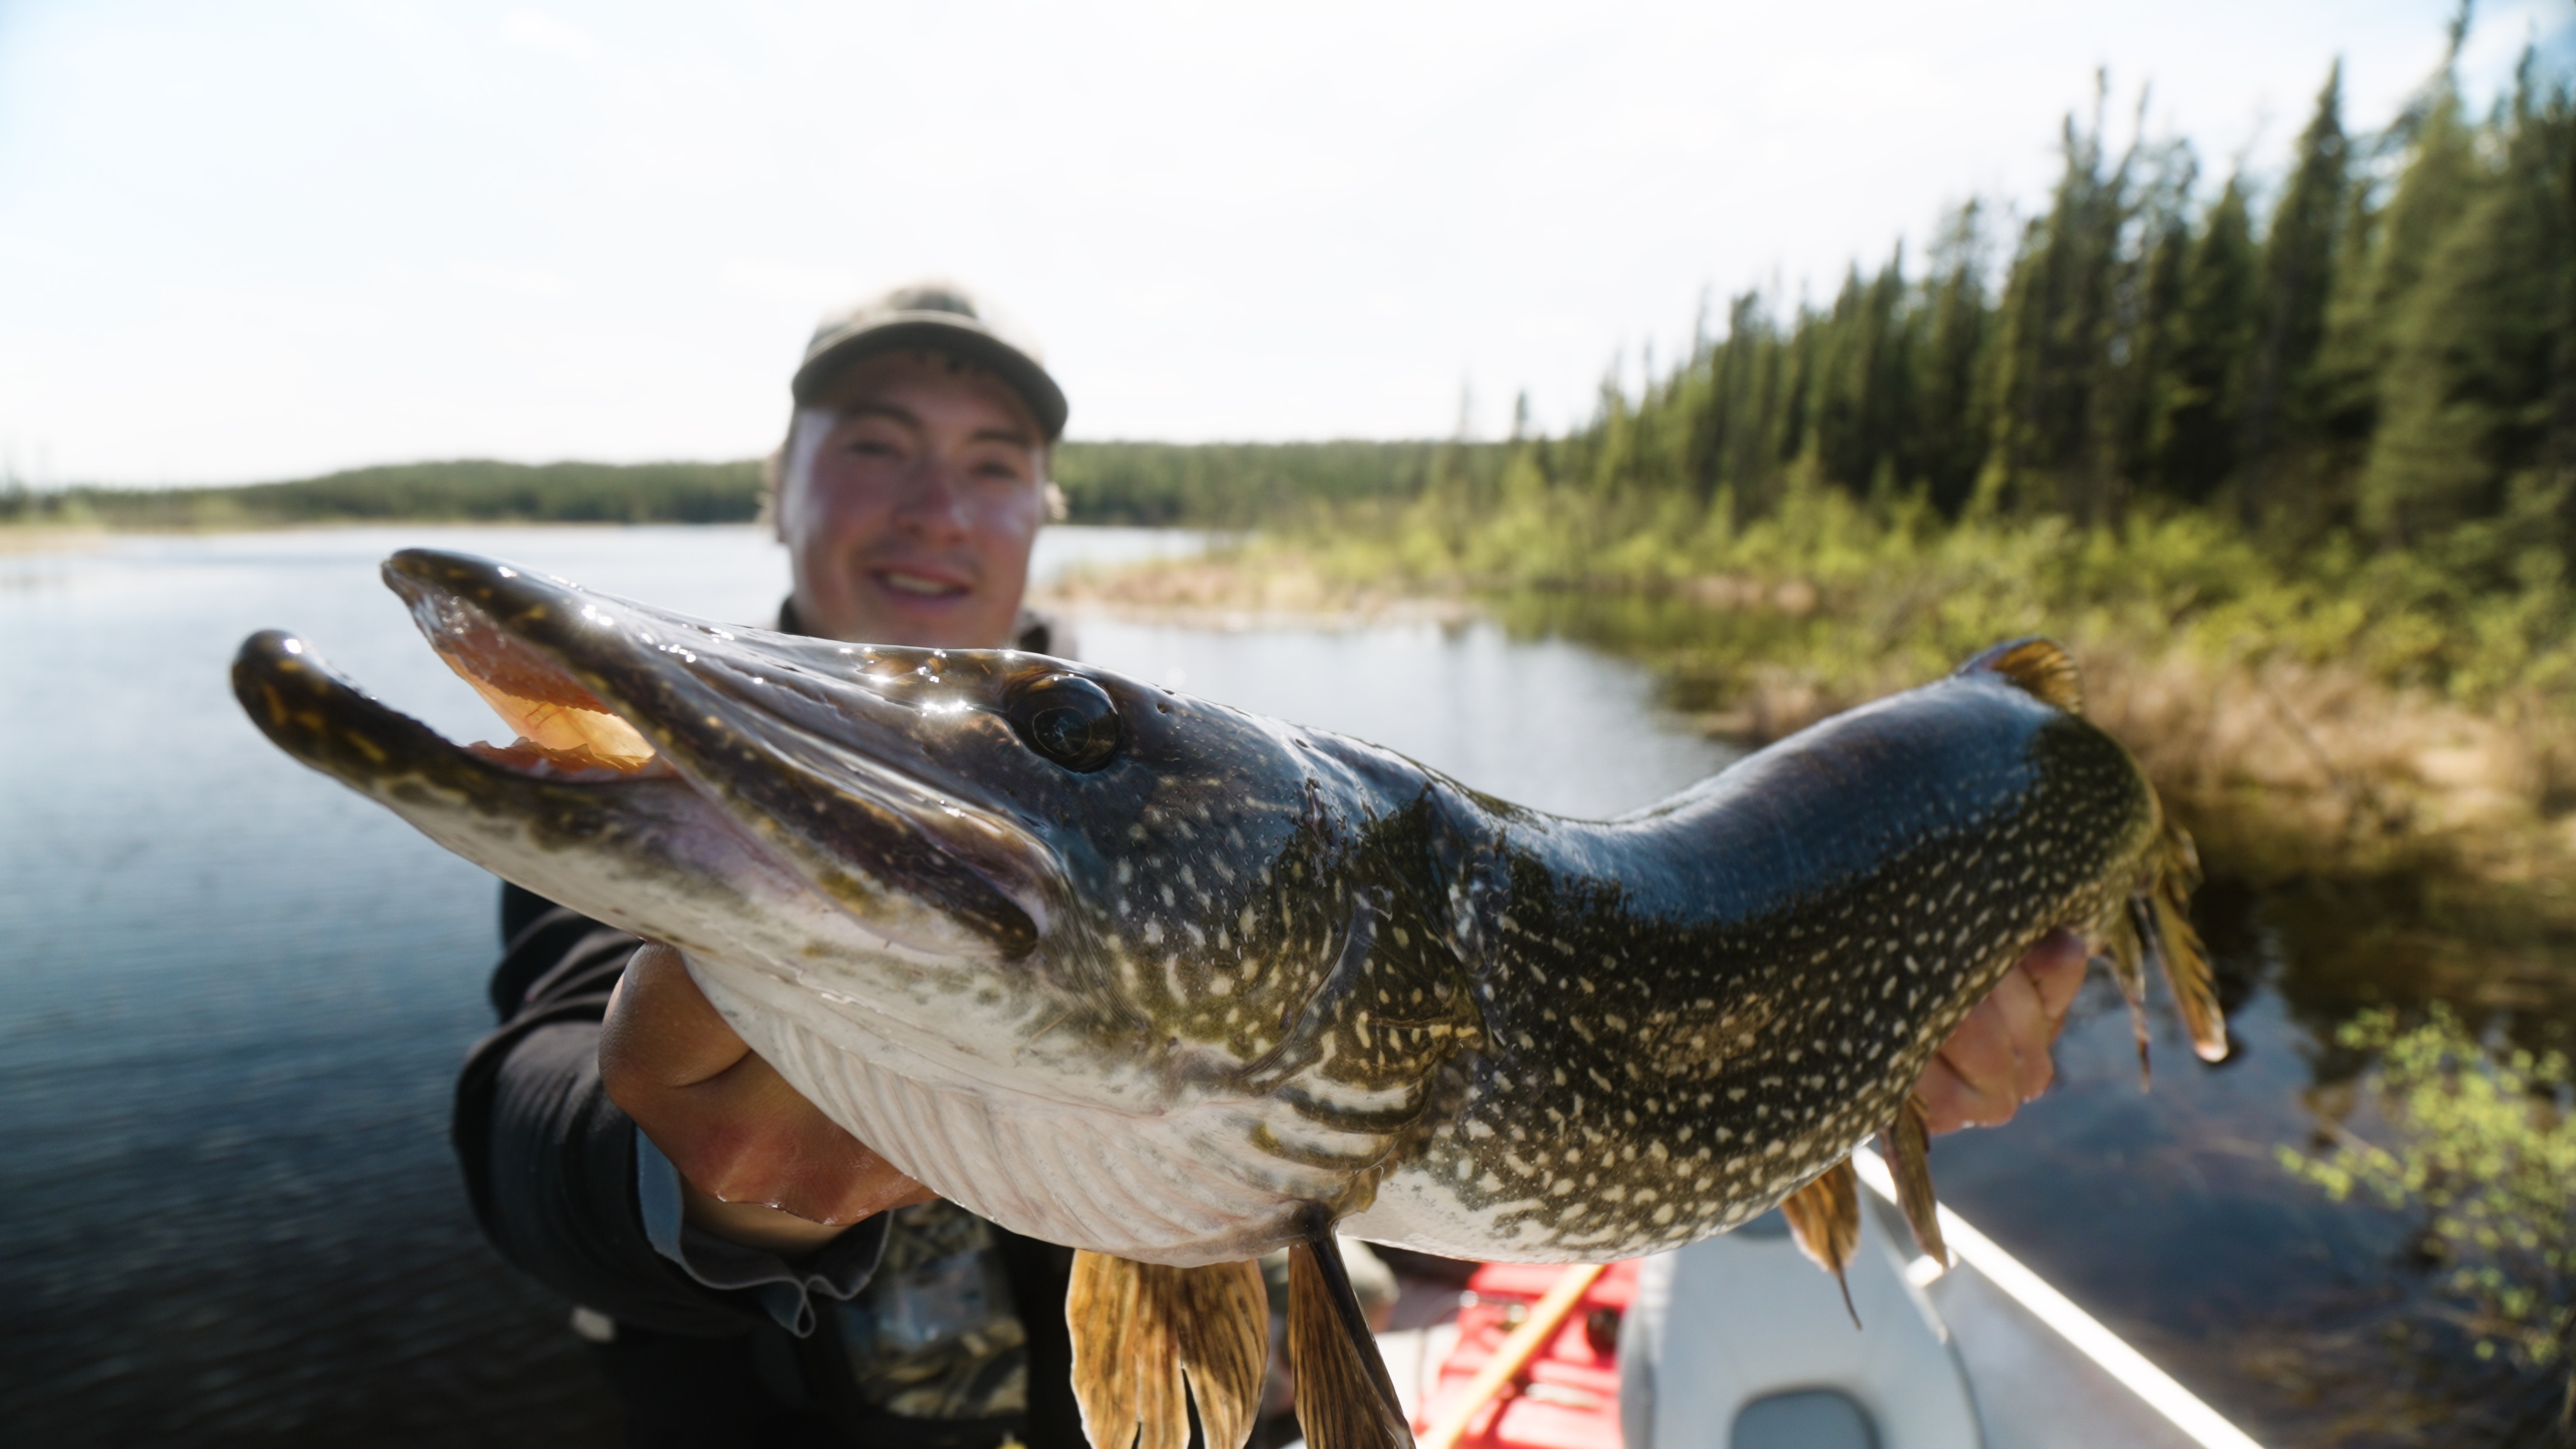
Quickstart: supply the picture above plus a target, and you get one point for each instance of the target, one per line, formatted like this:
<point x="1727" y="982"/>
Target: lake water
<point x="233" y="996"/>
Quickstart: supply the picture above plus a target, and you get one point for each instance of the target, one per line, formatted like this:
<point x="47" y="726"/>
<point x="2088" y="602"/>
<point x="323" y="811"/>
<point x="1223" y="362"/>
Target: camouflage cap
<point x="937" y="317"/>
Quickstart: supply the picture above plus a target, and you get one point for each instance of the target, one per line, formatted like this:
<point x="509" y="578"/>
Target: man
<point x="749" y="1272"/>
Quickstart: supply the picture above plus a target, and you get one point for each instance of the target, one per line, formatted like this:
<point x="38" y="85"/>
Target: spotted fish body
<point x="1142" y="974"/>
<point x="1689" y="1012"/>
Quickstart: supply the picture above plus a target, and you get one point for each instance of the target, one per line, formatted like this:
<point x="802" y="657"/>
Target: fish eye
<point x="1068" y="719"/>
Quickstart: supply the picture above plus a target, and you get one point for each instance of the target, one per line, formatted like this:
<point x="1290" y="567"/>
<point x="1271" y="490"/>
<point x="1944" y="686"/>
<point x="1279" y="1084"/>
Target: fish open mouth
<point x="803" y="749"/>
<point x="563" y="729"/>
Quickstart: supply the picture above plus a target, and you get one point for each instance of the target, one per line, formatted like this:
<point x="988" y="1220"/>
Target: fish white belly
<point x="1185" y="1187"/>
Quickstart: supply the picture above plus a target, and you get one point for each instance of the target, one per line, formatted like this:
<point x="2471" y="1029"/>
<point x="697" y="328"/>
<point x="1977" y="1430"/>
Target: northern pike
<point x="1174" y="984"/>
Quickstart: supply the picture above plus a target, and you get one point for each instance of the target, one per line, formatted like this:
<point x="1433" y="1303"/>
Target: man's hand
<point x="758" y="1163"/>
<point x="1998" y="1058"/>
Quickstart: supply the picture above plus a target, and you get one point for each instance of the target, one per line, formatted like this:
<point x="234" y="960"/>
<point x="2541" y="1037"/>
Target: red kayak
<point x="1520" y="1384"/>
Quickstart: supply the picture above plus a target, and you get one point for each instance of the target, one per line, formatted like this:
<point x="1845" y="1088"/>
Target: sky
<point x="271" y="238"/>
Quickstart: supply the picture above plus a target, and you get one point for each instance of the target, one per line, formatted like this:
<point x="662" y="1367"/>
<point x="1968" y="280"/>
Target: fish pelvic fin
<point x="2124" y="947"/>
<point x="2040" y="668"/>
<point x="1909" y="1160"/>
<point x="1345" y="1397"/>
<point x="1141" y="1331"/>
<point x="1824" y="1216"/>
<point x="2163" y="914"/>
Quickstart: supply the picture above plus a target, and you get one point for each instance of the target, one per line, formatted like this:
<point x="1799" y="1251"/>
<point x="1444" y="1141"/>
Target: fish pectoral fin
<point x="1141" y="1331"/>
<point x="1824" y="1216"/>
<point x="2040" y="668"/>
<point x="2164" y="912"/>
<point x="1909" y="1161"/>
<point x="1345" y="1397"/>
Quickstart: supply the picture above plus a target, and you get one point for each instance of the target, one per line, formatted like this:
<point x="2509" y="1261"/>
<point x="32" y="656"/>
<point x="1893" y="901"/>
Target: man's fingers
<point x="1980" y="1048"/>
<point x="661" y="1029"/>
<point x="2056" y="966"/>
<point x="1950" y="1102"/>
<point x="2027" y="1032"/>
<point x="735" y="1128"/>
<point x="1997" y="1057"/>
<point x="747" y="1136"/>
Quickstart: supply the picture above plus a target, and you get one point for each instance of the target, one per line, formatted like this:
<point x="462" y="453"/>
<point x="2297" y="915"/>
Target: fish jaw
<point x="610" y="841"/>
<point x="808" y="764"/>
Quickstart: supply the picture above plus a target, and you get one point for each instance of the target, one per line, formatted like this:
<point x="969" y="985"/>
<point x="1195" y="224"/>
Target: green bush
<point x="2483" y="1147"/>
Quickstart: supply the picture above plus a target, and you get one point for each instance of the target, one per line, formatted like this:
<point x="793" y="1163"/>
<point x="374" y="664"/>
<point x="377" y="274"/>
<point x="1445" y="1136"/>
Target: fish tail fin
<point x="2163" y="913"/>
<point x="1824" y="1216"/>
<point x="2040" y="668"/>
<point x="1345" y="1397"/>
<point x="1141" y="1331"/>
<point x="1909" y="1153"/>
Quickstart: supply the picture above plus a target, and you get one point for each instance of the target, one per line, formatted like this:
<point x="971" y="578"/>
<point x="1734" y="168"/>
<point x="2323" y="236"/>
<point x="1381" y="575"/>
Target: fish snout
<point x="315" y="715"/>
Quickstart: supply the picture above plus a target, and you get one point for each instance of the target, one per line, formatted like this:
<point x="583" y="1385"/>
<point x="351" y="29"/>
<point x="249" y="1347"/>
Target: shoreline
<point x="25" y="538"/>
<point x="2281" y="769"/>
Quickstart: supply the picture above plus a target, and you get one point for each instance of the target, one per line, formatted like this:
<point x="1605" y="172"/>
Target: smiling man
<point x="748" y="1272"/>
<point x="913" y="480"/>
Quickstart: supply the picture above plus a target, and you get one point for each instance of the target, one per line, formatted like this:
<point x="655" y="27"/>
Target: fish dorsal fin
<point x="1909" y="1161"/>
<point x="2040" y="668"/>
<point x="1345" y="1397"/>
<point x="1825" y="1218"/>
<point x="1142" y="1330"/>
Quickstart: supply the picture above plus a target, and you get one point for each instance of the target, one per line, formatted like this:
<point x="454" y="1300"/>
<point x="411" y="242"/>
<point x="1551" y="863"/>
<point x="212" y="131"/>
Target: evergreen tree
<point x="2060" y="339"/>
<point x="2286" y="395"/>
<point x="2199" y="389"/>
<point x="2480" y="384"/>
<point x="1949" y="430"/>
<point x="1864" y="381"/>
<point x="2437" y="181"/>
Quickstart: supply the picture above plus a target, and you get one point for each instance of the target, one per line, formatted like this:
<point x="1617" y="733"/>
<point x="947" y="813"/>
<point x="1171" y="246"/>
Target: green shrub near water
<point x="2482" y="1147"/>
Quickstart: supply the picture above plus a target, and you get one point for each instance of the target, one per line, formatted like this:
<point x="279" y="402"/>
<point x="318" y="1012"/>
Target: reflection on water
<point x="1542" y="723"/>
<point x="232" y="996"/>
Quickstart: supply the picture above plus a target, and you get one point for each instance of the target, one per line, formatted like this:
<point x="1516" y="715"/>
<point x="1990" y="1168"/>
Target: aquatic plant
<point x="2480" y="1144"/>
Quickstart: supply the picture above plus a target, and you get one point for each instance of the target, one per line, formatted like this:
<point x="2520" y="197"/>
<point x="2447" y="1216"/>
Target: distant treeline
<point x="1112" y="482"/>
<point x="1235" y="484"/>
<point x="470" y="490"/>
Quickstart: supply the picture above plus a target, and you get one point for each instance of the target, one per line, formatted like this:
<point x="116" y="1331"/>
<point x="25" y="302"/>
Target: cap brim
<point x="939" y="332"/>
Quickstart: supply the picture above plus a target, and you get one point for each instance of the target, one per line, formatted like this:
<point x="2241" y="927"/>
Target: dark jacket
<point x="707" y="1342"/>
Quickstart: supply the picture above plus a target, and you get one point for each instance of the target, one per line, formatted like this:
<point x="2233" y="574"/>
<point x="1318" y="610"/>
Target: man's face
<point x="910" y="495"/>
